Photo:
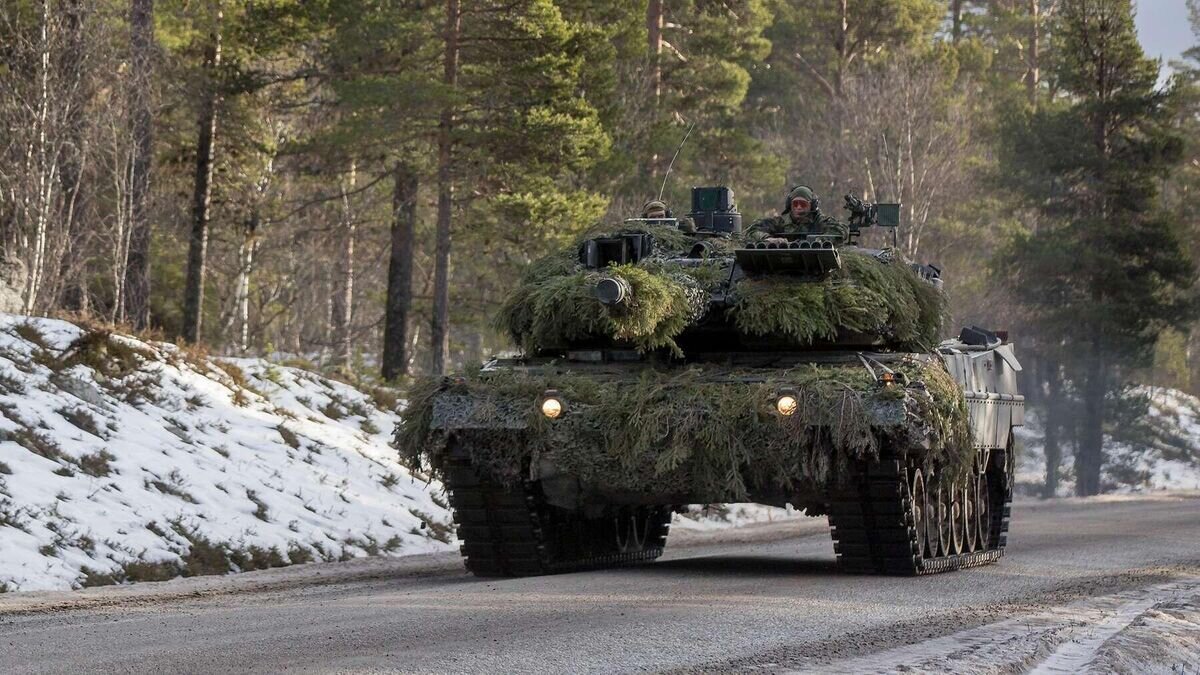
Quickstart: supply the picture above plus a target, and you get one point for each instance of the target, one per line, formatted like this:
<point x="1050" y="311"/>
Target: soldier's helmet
<point x="799" y="192"/>
<point x="656" y="208"/>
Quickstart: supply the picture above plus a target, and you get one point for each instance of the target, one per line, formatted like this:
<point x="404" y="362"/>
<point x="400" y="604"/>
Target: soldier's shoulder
<point x="766" y="222"/>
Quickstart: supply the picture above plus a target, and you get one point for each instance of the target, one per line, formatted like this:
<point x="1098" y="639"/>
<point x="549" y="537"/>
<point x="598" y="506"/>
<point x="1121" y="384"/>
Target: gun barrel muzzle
<point x="613" y="291"/>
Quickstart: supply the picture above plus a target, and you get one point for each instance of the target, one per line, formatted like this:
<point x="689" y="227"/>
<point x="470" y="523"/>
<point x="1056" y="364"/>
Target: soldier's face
<point x="800" y="207"/>
<point x="656" y="213"/>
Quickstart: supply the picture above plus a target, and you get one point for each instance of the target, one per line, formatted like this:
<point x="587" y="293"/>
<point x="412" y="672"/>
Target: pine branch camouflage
<point x="698" y="435"/>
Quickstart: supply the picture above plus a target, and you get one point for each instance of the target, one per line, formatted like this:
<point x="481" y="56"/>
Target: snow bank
<point x="124" y="460"/>
<point x="1169" y="461"/>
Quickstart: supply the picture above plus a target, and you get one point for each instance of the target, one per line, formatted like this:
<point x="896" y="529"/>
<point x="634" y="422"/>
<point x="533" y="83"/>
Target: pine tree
<point x="520" y="132"/>
<point x="1110" y="273"/>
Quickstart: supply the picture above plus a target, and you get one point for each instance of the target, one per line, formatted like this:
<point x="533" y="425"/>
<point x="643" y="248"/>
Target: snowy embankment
<point x="124" y="460"/>
<point x="1167" y="459"/>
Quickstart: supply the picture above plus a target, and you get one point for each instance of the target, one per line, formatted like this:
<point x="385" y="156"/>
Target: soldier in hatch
<point x="800" y="215"/>
<point x="655" y="209"/>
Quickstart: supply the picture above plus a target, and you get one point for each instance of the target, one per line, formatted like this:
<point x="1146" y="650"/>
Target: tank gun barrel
<point x="613" y="291"/>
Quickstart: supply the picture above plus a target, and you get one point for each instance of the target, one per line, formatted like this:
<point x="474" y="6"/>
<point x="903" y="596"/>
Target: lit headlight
<point x="552" y="405"/>
<point x="786" y="404"/>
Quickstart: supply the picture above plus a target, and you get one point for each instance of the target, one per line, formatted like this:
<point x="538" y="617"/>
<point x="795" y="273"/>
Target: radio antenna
<point x="672" y="164"/>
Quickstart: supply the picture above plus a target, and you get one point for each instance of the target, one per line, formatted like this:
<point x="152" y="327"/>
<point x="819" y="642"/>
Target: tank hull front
<point x="644" y="434"/>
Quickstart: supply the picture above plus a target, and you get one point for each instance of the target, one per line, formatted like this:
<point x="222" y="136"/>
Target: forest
<point x="357" y="184"/>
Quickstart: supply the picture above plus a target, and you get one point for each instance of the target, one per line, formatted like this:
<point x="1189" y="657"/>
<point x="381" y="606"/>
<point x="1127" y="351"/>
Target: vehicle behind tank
<point x="672" y="362"/>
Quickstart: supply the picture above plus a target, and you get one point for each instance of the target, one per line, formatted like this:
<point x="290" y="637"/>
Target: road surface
<point x="1096" y="584"/>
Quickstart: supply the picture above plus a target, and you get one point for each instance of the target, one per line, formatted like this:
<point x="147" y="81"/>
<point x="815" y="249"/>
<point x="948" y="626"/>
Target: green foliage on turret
<point x="554" y="305"/>
<point x="867" y="295"/>
<point x="877" y="296"/>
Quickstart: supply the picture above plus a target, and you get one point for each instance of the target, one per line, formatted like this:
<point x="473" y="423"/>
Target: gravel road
<point x="1079" y="579"/>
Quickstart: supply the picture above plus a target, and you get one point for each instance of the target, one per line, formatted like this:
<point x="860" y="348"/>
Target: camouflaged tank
<point x="671" y="362"/>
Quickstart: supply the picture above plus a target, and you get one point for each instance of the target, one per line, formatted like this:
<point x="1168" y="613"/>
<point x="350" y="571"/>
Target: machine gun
<point x="864" y="215"/>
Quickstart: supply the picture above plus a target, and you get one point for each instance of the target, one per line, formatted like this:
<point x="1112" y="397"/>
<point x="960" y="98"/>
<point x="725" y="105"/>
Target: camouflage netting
<point x="869" y="295"/>
<point x="555" y="306"/>
<point x="710" y="435"/>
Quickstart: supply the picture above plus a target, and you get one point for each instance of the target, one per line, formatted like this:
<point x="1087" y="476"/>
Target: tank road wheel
<point x="510" y="530"/>
<point x="943" y="523"/>
<point x="983" y="511"/>
<point x="970" y="524"/>
<point x="920" y="510"/>
<point x="930" y="545"/>
<point x="955" y="495"/>
<point x="632" y="526"/>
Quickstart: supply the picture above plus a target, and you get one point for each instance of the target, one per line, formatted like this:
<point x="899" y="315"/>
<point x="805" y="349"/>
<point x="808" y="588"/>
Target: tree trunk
<point x="45" y="168"/>
<point x="193" y="299"/>
<point x="1089" y="455"/>
<point x="75" y="205"/>
<point x="245" y="267"/>
<point x="400" y="265"/>
<point x="841" y="43"/>
<point x="1033" y="76"/>
<point x="136" y="280"/>
<point x="654" y="44"/>
<point x="343" y="284"/>
<point x="441" y="275"/>
<point x="1053" y="445"/>
<point x="956" y="20"/>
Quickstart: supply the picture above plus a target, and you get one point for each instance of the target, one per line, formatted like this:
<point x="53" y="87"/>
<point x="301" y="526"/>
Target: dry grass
<point x="261" y="510"/>
<point x="82" y="420"/>
<point x="385" y="398"/>
<point x="288" y="436"/>
<point x="97" y="464"/>
<point x="38" y="444"/>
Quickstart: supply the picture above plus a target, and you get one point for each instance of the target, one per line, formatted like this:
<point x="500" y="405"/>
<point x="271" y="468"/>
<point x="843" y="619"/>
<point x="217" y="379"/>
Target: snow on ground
<point x="124" y="460"/>
<point x="1147" y="630"/>
<point x="708" y="517"/>
<point x="1161" y="465"/>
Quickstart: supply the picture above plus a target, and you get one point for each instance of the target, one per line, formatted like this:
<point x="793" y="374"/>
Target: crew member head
<point x="655" y="209"/>
<point x="800" y="203"/>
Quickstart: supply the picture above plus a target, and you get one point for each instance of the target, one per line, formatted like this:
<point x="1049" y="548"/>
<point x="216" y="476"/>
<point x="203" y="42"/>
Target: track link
<point x="509" y="531"/>
<point x="874" y="530"/>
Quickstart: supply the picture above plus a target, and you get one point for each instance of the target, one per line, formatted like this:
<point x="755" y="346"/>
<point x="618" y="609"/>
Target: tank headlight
<point x="552" y="405"/>
<point x="786" y="404"/>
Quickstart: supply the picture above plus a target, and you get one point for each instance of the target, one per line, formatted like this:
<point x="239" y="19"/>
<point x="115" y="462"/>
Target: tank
<point x="673" y="362"/>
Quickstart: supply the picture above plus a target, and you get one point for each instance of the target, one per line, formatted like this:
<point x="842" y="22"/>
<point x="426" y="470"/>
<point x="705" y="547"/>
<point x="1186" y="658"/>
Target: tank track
<point x="510" y="531"/>
<point x="873" y="524"/>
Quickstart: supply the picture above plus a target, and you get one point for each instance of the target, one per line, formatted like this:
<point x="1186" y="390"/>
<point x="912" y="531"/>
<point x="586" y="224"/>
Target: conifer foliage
<point x="1106" y="272"/>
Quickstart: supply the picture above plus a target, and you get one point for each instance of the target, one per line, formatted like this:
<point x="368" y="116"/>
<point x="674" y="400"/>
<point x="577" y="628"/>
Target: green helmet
<point x="803" y="192"/>
<point x="656" y="205"/>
